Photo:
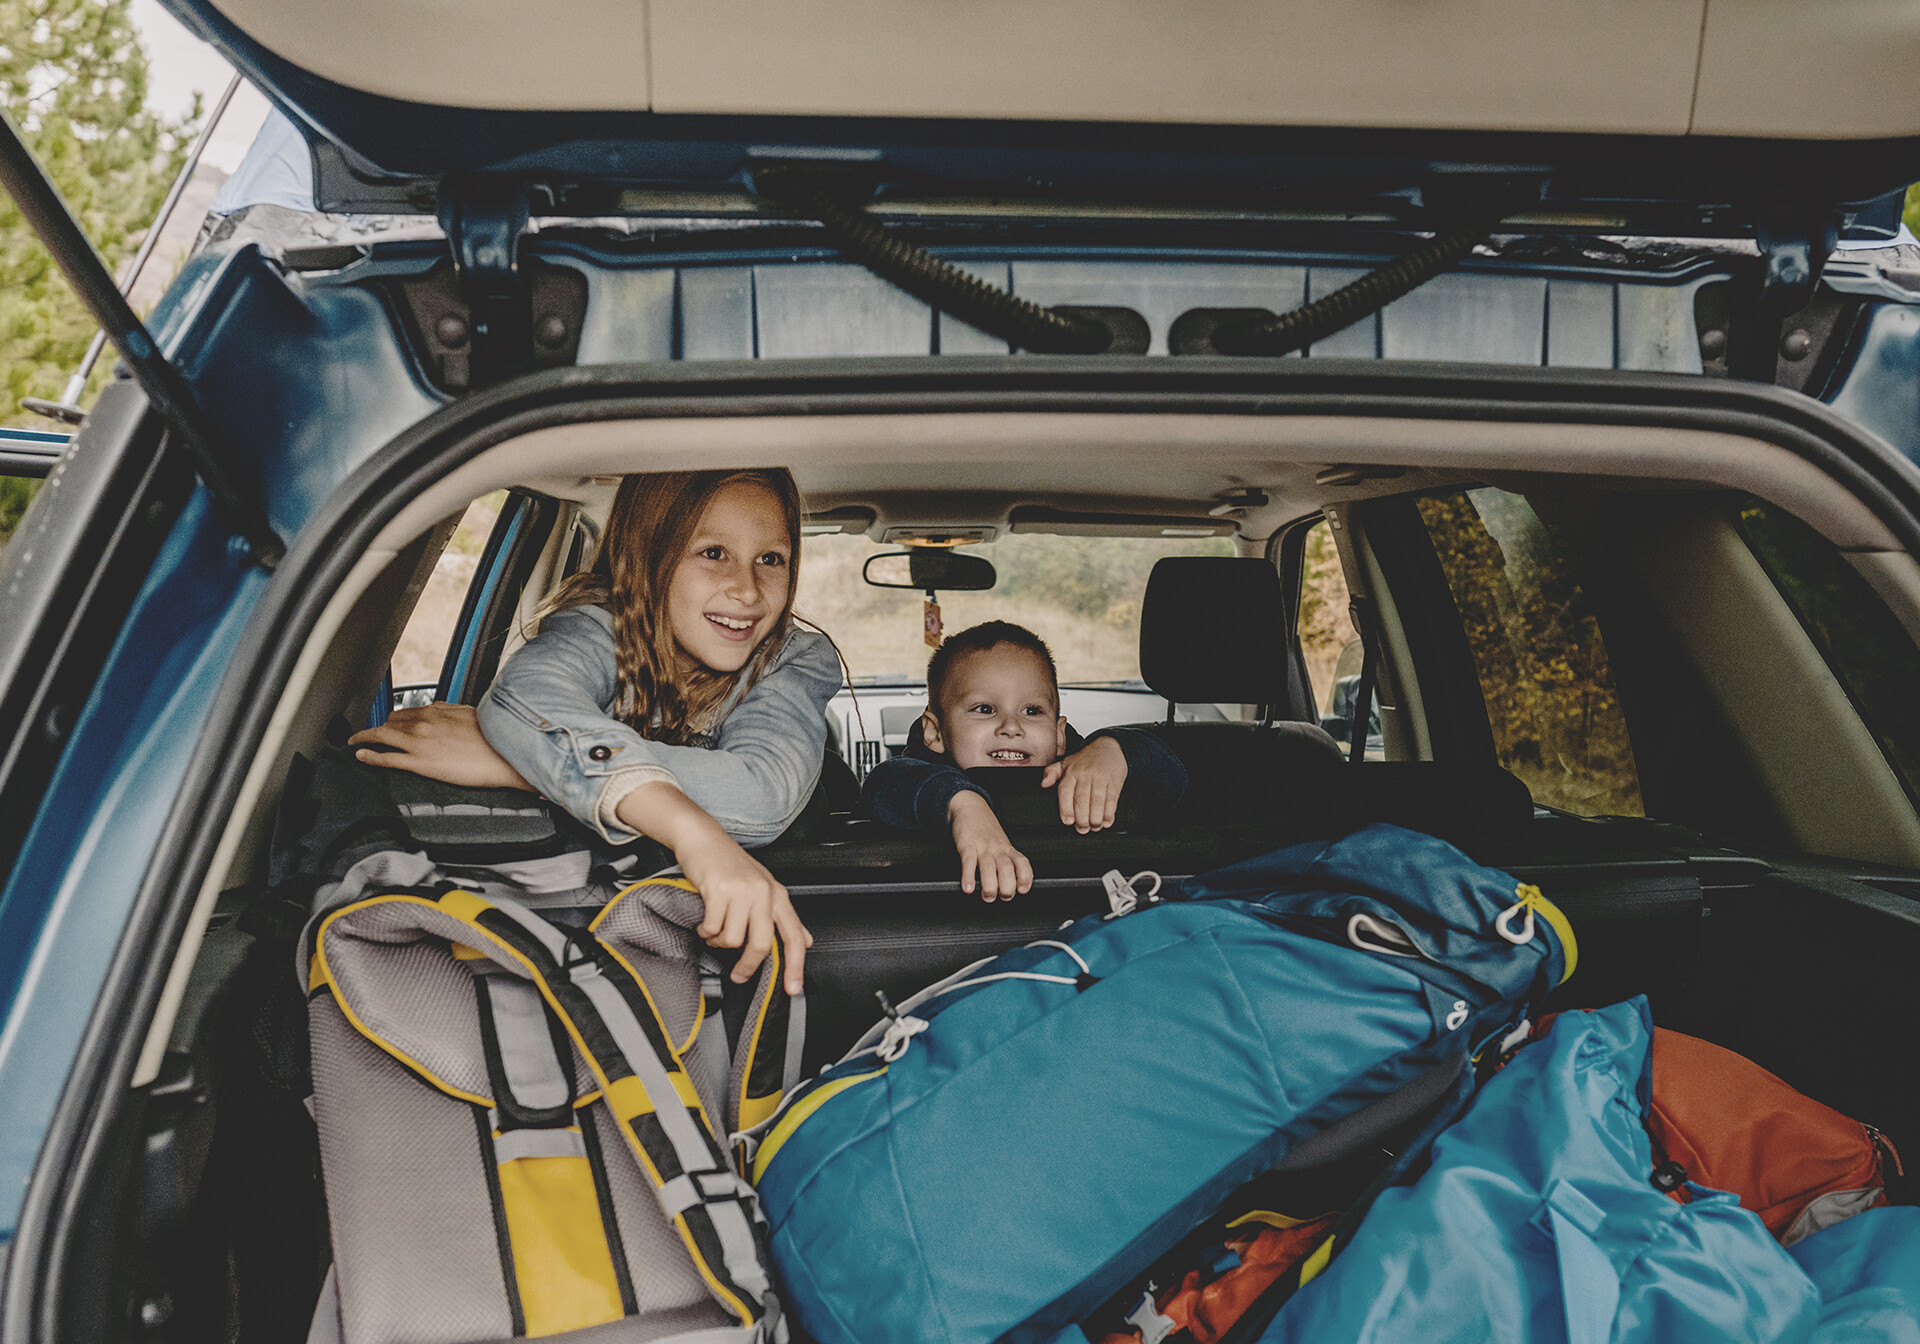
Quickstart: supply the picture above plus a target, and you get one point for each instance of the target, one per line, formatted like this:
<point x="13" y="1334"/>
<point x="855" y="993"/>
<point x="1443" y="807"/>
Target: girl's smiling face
<point x="730" y="586"/>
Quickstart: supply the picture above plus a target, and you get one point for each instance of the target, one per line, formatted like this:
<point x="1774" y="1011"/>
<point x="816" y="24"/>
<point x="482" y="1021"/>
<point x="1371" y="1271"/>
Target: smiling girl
<point x="667" y="694"/>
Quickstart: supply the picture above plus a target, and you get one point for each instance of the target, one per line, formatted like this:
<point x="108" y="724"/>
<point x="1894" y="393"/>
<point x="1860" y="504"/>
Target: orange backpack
<point x="1721" y="1121"/>
<point x="1206" y="1308"/>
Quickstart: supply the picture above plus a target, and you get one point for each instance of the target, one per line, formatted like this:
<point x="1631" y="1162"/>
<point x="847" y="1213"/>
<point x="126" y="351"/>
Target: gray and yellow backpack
<point x="523" y="1113"/>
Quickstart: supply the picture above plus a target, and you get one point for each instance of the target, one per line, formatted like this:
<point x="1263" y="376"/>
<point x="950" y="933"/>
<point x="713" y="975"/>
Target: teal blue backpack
<point x="1009" y="1148"/>
<point x="1536" y="1222"/>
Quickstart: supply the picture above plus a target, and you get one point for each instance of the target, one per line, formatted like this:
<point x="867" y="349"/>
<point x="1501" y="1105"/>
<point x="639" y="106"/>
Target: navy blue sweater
<point x="914" y="793"/>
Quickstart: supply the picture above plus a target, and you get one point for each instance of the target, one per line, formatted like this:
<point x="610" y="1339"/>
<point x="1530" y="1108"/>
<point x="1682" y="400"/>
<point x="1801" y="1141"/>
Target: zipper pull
<point x="1883" y="1144"/>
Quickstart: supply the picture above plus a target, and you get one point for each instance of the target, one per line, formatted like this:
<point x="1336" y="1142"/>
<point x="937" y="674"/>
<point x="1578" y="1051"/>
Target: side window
<point x="1870" y="653"/>
<point x="15" y="493"/>
<point x="1550" y="696"/>
<point x="429" y="632"/>
<point x="1327" y="640"/>
<point x="26" y="456"/>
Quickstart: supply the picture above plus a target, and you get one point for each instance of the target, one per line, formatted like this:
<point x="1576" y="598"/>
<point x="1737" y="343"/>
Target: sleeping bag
<point x="1012" y="1146"/>
<point x="1536" y="1223"/>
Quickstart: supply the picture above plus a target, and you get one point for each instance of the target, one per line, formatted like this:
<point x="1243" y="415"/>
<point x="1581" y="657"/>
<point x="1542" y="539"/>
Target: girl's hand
<point x="1090" y="781"/>
<point x="984" y="847"/>
<point x="439" y="741"/>
<point x="746" y="907"/>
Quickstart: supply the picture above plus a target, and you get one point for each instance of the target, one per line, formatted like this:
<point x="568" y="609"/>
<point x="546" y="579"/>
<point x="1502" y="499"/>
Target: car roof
<point x="1315" y="100"/>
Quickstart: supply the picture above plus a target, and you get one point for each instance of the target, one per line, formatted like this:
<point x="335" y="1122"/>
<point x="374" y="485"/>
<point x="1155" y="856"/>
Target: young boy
<point x="993" y="699"/>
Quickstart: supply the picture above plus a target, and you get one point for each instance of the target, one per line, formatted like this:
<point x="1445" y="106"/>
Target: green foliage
<point x="1325" y="626"/>
<point x="1910" y="209"/>
<point x="15" y="493"/>
<point x="73" y="77"/>
<point x="1549" y="691"/>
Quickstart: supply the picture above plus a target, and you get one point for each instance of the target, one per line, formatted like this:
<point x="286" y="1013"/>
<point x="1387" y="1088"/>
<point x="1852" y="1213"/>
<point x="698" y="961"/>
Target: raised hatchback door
<point x="1627" y="101"/>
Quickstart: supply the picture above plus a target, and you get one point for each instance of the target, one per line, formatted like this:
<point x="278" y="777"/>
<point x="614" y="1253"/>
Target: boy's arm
<point x="1089" y="782"/>
<point x="913" y="794"/>
<point x="1154" y="772"/>
<point x="935" y="795"/>
<point x="984" y="849"/>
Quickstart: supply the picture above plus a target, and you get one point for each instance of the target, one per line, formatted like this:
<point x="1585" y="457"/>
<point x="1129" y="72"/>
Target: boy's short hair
<point x="978" y="639"/>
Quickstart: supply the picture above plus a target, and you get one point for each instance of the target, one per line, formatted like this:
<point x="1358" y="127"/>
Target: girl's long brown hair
<point x="654" y="517"/>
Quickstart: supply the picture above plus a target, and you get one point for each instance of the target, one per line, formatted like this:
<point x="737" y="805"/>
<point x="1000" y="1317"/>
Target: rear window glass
<point x="1080" y="594"/>
<point x="1549" y="690"/>
<point x="1870" y="653"/>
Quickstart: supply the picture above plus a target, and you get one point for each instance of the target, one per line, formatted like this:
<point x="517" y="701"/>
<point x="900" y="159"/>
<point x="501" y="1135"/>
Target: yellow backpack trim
<point x="803" y="1108"/>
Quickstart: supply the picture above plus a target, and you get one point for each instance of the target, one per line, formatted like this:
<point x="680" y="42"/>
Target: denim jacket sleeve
<point x="1155" y="775"/>
<point x="913" y="794"/>
<point x="549" y="713"/>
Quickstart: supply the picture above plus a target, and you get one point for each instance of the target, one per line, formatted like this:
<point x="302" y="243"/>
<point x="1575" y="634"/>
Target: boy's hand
<point x="1089" y="783"/>
<point x="984" y="846"/>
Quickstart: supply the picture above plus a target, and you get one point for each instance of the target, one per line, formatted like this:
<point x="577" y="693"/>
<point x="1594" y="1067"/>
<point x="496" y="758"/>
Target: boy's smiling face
<point x="999" y="707"/>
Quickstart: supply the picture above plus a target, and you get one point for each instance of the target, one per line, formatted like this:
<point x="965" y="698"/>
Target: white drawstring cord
<point x="1370" y="935"/>
<point x="1048" y="942"/>
<point x="899" y="1032"/>
<point x="902" y="1027"/>
<point x="1528" y="894"/>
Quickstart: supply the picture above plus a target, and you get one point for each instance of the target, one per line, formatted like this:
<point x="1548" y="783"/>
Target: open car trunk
<point x="201" y="1211"/>
<point x="1799" y="964"/>
<point x="653" y="262"/>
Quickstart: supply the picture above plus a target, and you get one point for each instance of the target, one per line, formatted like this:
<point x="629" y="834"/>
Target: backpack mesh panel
<point x="410" y="1218"/>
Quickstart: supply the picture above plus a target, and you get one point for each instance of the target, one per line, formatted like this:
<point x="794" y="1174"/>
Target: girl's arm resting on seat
<point x="547" y="714"/>
<point x="440" y="741"/>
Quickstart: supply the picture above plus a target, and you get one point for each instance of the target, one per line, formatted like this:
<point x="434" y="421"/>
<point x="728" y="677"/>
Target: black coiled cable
<point x="1027" y="326"/>
<point x="1300" y="328"/>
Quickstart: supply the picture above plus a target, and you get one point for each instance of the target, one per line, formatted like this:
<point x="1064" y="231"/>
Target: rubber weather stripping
<point x="923" y="275"/>
<point x="1301" y="327"/>
<point x="1028" y="326"/>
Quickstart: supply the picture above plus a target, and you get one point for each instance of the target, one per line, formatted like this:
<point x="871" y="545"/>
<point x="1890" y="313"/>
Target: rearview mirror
<point x="930" y="570"/>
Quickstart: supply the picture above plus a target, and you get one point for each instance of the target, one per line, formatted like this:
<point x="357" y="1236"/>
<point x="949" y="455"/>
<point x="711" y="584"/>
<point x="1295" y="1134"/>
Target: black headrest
<point x="1214" y="627"/>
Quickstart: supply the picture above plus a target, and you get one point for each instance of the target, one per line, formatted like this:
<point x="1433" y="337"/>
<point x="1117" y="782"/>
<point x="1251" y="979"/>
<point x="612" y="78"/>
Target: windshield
<point x="1080" y="594"/>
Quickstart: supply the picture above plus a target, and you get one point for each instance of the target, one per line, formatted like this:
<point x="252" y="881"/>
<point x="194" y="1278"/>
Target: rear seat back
<point x="1214" y="629"/>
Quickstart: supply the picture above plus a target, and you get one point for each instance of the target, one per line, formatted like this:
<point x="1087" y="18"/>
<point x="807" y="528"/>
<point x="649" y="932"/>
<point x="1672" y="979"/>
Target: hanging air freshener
<point x="932" y="622"/>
